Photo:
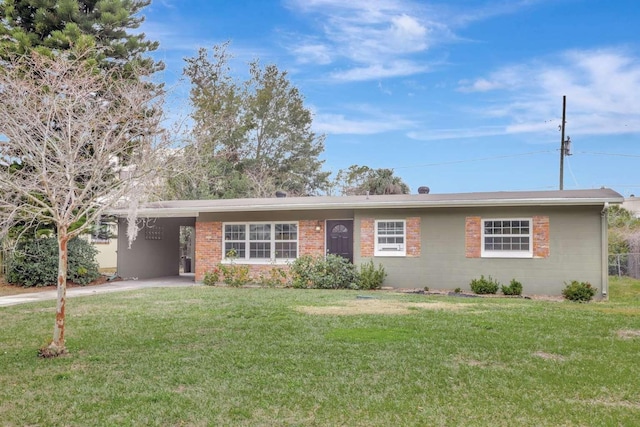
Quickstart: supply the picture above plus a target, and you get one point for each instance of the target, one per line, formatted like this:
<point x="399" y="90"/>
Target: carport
<point x="156" y="250"/>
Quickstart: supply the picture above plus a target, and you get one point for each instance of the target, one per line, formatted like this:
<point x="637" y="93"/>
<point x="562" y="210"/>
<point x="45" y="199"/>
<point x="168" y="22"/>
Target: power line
<point x="475" y="160"/>
<point x="609" y="154"/>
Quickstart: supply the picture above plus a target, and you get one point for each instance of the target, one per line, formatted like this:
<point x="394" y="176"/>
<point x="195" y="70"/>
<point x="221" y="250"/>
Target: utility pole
<point x="564" y="144"/>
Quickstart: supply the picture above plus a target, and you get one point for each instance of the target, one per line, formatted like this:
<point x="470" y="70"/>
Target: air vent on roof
<point x="280" y="194"/>
<point x="423" y="190"/>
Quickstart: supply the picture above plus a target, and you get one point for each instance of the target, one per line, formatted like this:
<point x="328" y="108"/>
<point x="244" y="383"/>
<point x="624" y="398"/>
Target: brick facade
<point x="473" y="237"/>
<point x="367" y="236"/>
<point x="540" y="236"/>
<point x="310" y="240"/>
<point x="414" y="243"/>
<point x="208" y="251"/>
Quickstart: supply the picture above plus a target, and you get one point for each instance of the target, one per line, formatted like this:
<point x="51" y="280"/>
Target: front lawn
<point x="221" y="356"/>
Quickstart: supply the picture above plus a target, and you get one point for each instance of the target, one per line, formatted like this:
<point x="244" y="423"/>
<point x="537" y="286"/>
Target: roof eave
<point x="196" y="211"/>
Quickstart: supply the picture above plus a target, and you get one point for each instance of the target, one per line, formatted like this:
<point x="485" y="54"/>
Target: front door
<point x="340" y="238"/>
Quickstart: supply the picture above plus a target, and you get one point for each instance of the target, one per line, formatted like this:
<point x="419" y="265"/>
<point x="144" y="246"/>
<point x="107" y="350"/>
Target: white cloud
<point x="365" y="120"/>
<point x="369" y="35"/>
<point x="601" y="86"/>
<point x="379" y="71"/>
<point x="407" y="34"/>
<point x="313" y="53"/>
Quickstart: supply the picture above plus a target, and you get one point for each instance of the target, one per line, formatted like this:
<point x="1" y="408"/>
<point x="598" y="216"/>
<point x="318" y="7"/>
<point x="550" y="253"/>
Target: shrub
<point x="457" y="290"/>
<point x="211" y="277"/>
<point x="335" y="272"/>
<point x="332" y="272"/>
<point x="35" y="262"/>
<point x="275" y="276"/>
<point x="235" y="275"/>
<point x="301" y="271"/>
<point x="371" y="277"/>
<point x="483" y="286"/>
<point x="579" y="291"/>
<point x="514" y="288"/>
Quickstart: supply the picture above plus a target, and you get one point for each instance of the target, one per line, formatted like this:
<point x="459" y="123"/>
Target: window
<point x="102" y="232"/>
<point x="390" y="238"/>
<point x="506" y="238"/>
<point x="261" y="242"/>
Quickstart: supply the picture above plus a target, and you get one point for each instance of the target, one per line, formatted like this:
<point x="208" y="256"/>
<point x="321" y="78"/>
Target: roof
<point x="192" y="208"/>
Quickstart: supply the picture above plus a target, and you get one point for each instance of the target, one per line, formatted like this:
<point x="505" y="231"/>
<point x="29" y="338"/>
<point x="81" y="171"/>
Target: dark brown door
<point x="340" y="238"/>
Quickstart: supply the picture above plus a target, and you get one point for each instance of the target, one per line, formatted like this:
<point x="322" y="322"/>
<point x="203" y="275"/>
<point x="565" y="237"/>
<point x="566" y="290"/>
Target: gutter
<point x="604" y="242"/>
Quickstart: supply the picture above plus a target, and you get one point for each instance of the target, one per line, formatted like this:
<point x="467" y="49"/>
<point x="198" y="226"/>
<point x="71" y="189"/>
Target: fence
<point x="625" y="265"/>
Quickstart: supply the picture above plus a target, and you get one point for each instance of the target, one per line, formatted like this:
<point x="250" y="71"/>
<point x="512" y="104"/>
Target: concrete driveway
<point x="184" y="280"/>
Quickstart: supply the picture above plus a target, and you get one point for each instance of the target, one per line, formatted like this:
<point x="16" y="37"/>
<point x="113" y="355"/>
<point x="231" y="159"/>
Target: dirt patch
<point x="473" y="362"/>
<point x="375" y="306"/>
<point x="549" y="356"/>
<point x="627" y="334"/>
<point x="469" y="294"/>
<point x="610" y="403"/>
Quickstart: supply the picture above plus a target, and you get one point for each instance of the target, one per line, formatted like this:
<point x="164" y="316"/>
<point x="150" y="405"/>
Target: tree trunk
<point x="57" y="346"/>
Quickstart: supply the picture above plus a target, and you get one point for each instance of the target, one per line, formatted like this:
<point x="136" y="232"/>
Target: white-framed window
<point x="391" y="237"/>
<point x="259" y="242"/>
<point x="507" y="238"/>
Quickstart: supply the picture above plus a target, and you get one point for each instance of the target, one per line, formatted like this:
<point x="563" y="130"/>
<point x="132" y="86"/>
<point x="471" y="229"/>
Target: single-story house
<point x="443" y="241"/>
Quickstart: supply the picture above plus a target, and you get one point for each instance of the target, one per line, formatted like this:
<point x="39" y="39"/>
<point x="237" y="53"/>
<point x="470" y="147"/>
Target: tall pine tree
<point x="55" y="25"/>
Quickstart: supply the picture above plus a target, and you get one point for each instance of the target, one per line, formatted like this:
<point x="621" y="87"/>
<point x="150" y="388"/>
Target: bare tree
<point x="68" y="131"/>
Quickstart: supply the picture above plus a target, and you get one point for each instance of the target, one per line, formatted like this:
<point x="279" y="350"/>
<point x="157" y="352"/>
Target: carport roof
<point x="192" y="208"/>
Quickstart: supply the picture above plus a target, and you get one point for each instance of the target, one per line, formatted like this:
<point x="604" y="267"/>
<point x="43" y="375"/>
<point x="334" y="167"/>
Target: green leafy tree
<point x="359" y="180"/>
<point x="60" y="25"/>
<point x="250" y="138"/>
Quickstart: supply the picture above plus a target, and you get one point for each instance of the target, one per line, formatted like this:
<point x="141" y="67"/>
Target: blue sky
<point x="459" y="96"/>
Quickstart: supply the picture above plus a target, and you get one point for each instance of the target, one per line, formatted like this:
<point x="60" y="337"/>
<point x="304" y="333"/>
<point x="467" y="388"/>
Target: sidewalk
<point x="184" y="280"/>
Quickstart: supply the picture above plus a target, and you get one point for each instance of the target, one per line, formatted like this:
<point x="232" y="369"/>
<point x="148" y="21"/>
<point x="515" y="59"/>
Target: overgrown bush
<point x="371" y="277"/>
<point x="274" y="277"/>
<point x="514" y="288"/>
<point x="579" y="291"/>
<point x="35" y="262"/>
<point x="235" y="275"/>
<point x="332" y="272"/>
<point x="484" y="286"/>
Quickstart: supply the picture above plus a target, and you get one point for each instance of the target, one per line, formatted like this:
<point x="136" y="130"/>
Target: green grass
<point x="250" y="357"/>
<point x="624" y="290"/>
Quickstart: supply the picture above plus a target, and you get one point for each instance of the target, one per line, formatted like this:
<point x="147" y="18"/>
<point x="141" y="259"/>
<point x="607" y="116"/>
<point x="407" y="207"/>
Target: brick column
<point x="473" y="237"/>
<point x="367" y="236"/>
<point x="540" y="236"/>
<point x="414" y="244"/>
<point x="208" y="251"/>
